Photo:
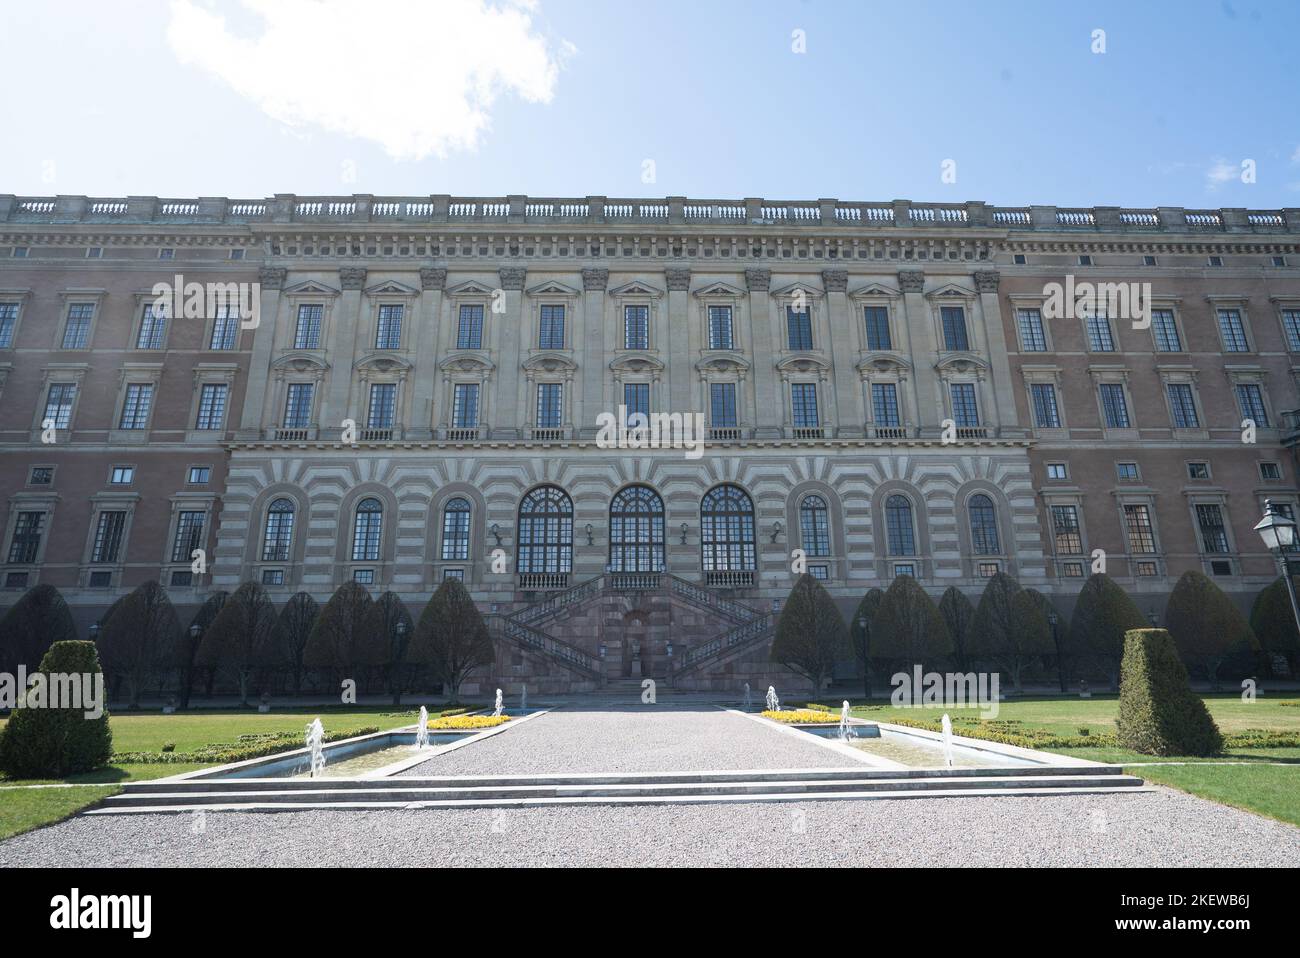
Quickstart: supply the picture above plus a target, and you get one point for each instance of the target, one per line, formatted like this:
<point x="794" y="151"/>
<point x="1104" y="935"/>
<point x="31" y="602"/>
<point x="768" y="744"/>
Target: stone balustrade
<point x="444" y="210"/>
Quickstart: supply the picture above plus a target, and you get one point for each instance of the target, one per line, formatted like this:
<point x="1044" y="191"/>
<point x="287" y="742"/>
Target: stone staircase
<point x="528" y="627"/>
<point x="664" y="788"/>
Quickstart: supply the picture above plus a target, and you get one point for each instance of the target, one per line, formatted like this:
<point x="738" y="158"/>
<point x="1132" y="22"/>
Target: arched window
<point x="455" y="529"/>
<point x="814" y="526"/>
<point x="983" y="526"/>
<point x="899" y="526"/>
<point x="546" y="531"/>
<point x="366" y="530"/>
<point x="278" y="536"/>
<point x="636" y="531"/>
<point x="727" y="530"/>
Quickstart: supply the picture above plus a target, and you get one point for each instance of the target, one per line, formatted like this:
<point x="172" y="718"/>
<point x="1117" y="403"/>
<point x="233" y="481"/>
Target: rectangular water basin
<point x="351" y="758"/>
<point x="920" y="751"/>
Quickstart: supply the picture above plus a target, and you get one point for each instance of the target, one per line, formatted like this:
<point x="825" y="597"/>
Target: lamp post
<point x="94" y="631"/>
<point x="399" y="630"/>
<point x="1054" y="620"/>
<point x="1279" y="534"/>
<point x="862" y="638"/>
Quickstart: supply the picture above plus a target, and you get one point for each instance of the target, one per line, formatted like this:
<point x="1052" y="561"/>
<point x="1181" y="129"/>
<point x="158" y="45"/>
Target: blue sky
<point x="573" y="97"/>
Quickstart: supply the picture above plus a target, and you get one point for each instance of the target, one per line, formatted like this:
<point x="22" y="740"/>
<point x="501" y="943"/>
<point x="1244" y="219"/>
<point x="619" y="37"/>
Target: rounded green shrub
<point x="53" y="743"/>
<point x="1158" y="713"/>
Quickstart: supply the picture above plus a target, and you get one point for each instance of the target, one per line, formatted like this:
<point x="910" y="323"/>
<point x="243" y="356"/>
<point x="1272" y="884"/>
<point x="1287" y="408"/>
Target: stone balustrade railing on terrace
<point x="449" y="211"/>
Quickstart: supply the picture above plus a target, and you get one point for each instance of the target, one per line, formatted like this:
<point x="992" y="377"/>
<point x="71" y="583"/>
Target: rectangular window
<point x="1182" y="406"/>
<point x="1198" y="470"/>
<point x="1033" y="339"/>
<point x="803" y="399"/>
<point x="798" y="327"/>
<point x="1165" y="331"/>
<point x="1046" y="413"/>
<point x="272" y="577"/>
<point x="135" y="409"/>
<point x="26" y="543"/>
<point x="877" y="319"/>
<point x="76" y="334"/>
<point x="198" y="475"/>
<point x="722" y="405"/>
<point x="550" y="333"/>
<point x="225" y="328"/>
<point x="1065" y="529"/>
<point x="121" y="475"/>
<point x="388" y="329"/>
<point x="1233" y="331"/>
<point x="1250" y="397"/>
<point x="636" y="397"/>
<point x="1214" y="538"/>
<point x="108" y="537"/>
<point x="822" y="572"/>
<point x="550" y="405"/>
<point x="965" y="412"/>
<point x="988" y="570"/>
<point x="954" y="328"/>
<point x="1137" y="524"/>
<point x="307" y="333"/>
<point x="8" y="319"/>
<point x="884" y="405"/>
<point x="1290" y="322"/>
<point x="297" y="406"/>
<point x="1270" y="471"/>
<point x="153" y="329"/>
<point x="100" y="580"/>
<point x="383" y="406"/>
<point x="58" y="405"/>
<point x="1100" y="339"/>
<point x="364" y="576"/>
<point x="1057" y="470"/>
<point x="636" y="327"/>
<point x="1126" y="471"/>
<point x="189" y="535"/>
<point x="720" y="328"/>
<point x="904" y="568"/>
<point x="464" y="406"/>
<point x="1073" y="570"/>
<point x="469" y="330"/>
<point x="41" y="476"/>
<point x="212" y="406"/>
<point x="1114" y="406"/>
<point x="457" y="574"/>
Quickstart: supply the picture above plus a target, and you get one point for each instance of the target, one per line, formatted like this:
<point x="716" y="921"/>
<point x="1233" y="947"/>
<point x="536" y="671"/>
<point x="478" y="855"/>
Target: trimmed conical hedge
<point x="1158" y="713"/>
<point x="53" y="743"/>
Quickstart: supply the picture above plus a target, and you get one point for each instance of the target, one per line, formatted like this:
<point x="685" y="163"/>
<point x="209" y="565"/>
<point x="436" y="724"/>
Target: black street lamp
<point x="1054" y="620"/>
<point x="1279" y="534"/>
<point x="94" y="631"/>
<point x="866" y="673"/>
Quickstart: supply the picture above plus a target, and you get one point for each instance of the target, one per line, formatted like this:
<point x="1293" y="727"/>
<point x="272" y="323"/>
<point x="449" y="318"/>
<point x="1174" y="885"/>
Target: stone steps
<point x="613" y="788"/>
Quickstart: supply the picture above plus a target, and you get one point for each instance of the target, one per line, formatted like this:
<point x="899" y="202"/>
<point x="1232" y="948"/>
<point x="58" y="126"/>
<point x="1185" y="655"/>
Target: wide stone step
<point x="620" y="778"/>
<point x="302" y="803"/>
<point x="422" y="793"/>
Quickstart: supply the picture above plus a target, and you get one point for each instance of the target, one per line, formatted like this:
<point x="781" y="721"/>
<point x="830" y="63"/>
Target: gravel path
<point x="1163" y="828"/>
<point x="654" y="739"/>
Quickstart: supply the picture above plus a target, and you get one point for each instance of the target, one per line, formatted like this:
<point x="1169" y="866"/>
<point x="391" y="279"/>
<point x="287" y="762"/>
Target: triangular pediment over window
<point x="951" y="291"/>
<point x="552" y="288"/>
<point x="636" y="289"/>
<point x="392" y="288"/>
<point x="794" y="289"/>
<point x="471" y="288"/>
<point x="875" y="289"/>
<point x="719" y="289"/>
<point x="310" y="288"/>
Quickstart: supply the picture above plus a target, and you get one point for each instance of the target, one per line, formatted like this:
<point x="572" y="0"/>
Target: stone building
<point x="419" y="387"/>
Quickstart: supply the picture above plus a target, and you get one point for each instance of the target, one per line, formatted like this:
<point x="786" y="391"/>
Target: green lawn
<point x="1261" y="786"/>
<point x="26" y="808"/>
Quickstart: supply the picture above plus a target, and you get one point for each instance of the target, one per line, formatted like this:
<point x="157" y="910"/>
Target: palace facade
<point x="417" y="392"/>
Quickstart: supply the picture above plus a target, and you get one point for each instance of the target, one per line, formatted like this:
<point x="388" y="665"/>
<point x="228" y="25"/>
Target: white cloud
<point x="1295" y="157"/>
<point x="1220" y="172"/>
<point x="415" y="77"/>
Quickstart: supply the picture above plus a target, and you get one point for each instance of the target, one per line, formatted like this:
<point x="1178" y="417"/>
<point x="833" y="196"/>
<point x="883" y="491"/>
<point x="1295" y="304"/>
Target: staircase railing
<point x="539" y="641"/>
<point x="548" y="608"/>
<point x="706" y="598"/>
<point x="745" y="634"/>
